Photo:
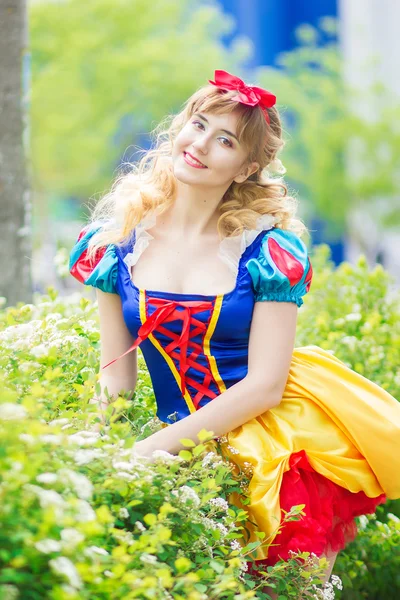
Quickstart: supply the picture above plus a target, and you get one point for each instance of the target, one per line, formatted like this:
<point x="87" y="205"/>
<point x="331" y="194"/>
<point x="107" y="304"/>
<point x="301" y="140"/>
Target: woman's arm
<point x="271" y="345"/>
<point x="115" y="339"/>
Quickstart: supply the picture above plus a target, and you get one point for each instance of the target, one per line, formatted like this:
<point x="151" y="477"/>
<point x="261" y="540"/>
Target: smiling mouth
<point x="193" y="162"/>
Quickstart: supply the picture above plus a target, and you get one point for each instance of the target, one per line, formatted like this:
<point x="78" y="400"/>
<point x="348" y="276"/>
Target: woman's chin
<point x="184" y="176"/>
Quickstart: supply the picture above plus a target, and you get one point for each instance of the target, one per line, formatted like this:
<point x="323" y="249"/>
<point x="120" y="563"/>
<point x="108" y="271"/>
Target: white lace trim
<point x="142" y="240"/>
<point x="230" y="248"/>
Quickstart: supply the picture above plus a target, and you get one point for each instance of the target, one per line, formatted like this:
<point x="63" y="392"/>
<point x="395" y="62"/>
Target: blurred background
<point x="82" y="84"/>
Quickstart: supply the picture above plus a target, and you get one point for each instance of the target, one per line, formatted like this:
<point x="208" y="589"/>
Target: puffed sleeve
<point x="282" y="270"/>
<point x="101" y="272"/>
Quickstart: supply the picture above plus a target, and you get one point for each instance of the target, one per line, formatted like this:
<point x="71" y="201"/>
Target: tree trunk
<point x="15" y="208"/>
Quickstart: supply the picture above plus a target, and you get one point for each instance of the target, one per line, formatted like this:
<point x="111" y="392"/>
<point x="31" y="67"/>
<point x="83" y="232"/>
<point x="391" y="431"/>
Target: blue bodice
<point x="196" y="346"/>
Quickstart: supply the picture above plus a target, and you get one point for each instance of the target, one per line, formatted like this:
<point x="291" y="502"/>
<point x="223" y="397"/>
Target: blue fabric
<point x="274" y="266"/>
<point x="222" y="345"/>
<point x="102" y="273"/>
<point x="281" y="268"/>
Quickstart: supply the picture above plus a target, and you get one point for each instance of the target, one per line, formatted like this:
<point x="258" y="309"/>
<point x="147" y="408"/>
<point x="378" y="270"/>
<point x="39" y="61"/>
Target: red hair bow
<point x="247" y="94"/>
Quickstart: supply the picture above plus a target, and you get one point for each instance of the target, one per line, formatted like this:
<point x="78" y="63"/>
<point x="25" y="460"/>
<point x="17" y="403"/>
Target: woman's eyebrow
<point x="224" y="130"/>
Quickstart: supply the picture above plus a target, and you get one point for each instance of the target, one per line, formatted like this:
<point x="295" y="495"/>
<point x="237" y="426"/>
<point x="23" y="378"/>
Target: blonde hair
<point x="150" y="185"/>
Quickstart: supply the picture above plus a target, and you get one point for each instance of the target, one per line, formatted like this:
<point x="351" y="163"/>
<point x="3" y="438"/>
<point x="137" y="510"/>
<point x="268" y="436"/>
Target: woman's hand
<point x="144" y="449"/>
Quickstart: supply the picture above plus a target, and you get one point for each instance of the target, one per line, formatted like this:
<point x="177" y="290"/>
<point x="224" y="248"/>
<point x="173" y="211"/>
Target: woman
<point x="196" y="256"/>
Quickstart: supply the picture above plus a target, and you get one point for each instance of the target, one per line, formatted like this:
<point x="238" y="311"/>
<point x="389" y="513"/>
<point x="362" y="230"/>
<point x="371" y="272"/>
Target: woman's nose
<point x="201" y="144"/>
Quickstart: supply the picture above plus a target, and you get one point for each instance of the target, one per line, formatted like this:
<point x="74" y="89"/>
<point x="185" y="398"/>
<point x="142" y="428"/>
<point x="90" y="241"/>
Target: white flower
<point x="14" y="332"/>
<point x="211" y="459"/>
<point x="27" y="437"/>
<point x="83" y="511"/>
<point x="211" y="524"/>
<point x="148" y="558"/>
<point x="186" y="493"/>
<point x="58" y="422"/>
<point x="353" y="317"/>
<point x="51" y="438"/>
<point x="126" y="537"/>
<point x="337" y="582"/>
<point x="48" y="546"/>
<point x="140" y="526"/>
<point x="27" y="367"/>
<point x="327" y="592"/>
<point x="123" y="513"/>
<point x="350" y="341"/>
<point x="222" y="528"/>
<point x="71" y="537"/>
<point x="94" y="551"/>
<point x="84" y="438"/>
<point x="82" y="486"/>
<point x="220" y="503"/>
<point x="40" y="350"/>
<point x="235" y="545"/>
<point x="122" y="465"/>
<point x="363" y="521"/>
<point x="63" y="566"/>
<point x="86" y="455"/>
<point x="165" y="456"/>
<point x="275" y="166"/>
<point x="47" y="498"/>
<point x="393" y="518"/>
<point x="222" y="439"/>
<point x="9" y="411"/>
<point x="47" y="478"/>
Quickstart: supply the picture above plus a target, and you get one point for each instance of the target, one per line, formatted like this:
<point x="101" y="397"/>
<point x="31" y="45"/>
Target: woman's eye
<point x="224" y="138"/>
<point x="197" y="123"/>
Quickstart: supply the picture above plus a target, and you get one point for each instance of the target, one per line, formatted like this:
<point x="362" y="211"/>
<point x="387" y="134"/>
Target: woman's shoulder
<point x="282" y="270"/>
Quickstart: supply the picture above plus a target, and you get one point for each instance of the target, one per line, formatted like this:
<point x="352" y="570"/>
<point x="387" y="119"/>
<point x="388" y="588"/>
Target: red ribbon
<point x="247" y="94"/>
<point x="167" y="311"/>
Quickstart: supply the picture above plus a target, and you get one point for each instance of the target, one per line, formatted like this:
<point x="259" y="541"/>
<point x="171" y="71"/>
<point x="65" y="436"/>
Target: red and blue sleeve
<point x="101" y="271"/>
<point x="282" y="271"/>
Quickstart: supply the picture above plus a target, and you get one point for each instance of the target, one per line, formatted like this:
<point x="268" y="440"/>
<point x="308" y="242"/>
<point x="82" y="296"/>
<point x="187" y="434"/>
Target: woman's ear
<point x="247" y="171"/>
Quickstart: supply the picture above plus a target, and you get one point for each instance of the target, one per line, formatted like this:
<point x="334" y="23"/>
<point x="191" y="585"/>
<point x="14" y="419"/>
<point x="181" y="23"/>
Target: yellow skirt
<point x="347" y="427"/>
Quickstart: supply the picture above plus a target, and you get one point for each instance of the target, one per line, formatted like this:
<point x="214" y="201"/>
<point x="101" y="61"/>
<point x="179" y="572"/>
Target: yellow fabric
<point x="348" y="426"/>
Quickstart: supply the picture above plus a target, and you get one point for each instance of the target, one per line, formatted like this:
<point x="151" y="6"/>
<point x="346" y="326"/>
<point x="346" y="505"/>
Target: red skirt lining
<point x="328" y="524"/>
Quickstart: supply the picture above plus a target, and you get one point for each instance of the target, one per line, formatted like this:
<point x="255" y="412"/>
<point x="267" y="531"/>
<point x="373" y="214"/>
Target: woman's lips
<point x="192" y="162"/>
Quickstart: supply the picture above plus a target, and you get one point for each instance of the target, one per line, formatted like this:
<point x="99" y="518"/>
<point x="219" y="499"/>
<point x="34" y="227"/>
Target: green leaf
<point x="150" y="519"/>
<point x="186" y="455"/>
<point x="187" y="443"/>
<point x="199" y="449"/>
<point x="218" y="568"/>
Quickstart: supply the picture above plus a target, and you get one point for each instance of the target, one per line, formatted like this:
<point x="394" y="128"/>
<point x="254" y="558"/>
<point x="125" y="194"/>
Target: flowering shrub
<point x="354" y="312"/>
<point x="370" y="566"/>
<point x="81" y="516"/>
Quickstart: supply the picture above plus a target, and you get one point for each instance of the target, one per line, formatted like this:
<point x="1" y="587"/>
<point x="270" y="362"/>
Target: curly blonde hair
<point x="150" y="185"/>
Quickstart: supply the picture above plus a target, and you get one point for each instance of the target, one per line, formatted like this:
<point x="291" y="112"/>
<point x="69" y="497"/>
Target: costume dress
<point x="333" y="441"/>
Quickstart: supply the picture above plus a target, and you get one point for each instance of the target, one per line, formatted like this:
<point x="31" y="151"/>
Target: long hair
<point x="150" y="185"/>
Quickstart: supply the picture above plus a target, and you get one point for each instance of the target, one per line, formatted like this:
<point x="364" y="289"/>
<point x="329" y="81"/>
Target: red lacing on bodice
<point x="166" y="311"/>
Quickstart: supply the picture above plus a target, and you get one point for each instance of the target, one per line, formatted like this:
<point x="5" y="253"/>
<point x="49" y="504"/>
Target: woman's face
<point x="212" y="140"/>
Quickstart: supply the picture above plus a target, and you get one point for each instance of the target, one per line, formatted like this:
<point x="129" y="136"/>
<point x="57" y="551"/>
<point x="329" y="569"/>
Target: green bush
<point x="355" y="312"/>
<point x="82" y="517"/>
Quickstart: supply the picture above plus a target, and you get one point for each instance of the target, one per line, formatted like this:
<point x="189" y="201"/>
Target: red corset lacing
<point x="167" y="310"/>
